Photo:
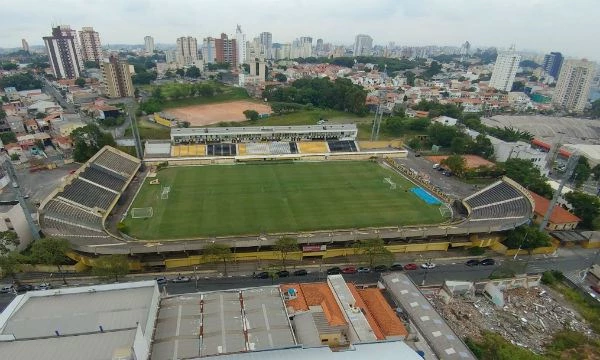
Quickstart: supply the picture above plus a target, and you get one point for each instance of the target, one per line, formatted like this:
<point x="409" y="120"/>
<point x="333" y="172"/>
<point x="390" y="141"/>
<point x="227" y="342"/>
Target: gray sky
<point x="568" y="26"/>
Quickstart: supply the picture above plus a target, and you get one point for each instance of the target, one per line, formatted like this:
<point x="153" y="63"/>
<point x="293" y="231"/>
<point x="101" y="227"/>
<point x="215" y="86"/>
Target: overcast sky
<point x="568" y="26"/>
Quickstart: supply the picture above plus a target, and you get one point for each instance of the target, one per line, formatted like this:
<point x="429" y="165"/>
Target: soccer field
<point x="269" y="198"/>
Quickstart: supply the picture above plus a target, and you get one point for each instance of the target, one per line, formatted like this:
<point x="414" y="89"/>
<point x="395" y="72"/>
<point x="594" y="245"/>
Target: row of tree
<point x="159" y="98"/>
<point x="21" y="81"/>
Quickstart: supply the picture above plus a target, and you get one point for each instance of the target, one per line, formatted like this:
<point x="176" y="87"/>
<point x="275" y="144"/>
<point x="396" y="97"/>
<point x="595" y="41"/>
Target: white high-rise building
<point x="209" y="51"/>
<point x="91" y="49"/>
<point x="363" y="45"/>
<point x="573" y="86"/>
<point x="187" y="51"/>
<point x="266" y="43"/>
<point x="149" y="44"/>
<point x="240" y="38"/>
<point x="505" y="70"/>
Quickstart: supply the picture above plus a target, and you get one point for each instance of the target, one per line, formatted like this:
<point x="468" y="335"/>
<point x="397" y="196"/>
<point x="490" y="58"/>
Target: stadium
<point x="248" y="187"/>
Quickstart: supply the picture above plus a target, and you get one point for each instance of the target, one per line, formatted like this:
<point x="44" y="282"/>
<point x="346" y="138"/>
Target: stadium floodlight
<point x="142" y="213"/>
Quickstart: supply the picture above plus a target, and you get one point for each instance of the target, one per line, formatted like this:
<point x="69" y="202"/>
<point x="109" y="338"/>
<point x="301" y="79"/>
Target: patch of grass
<point x="269" y="198"/>
<point x="230" y="95"/>
<point x="586" y="306"/>
<point x="494" y="347"/>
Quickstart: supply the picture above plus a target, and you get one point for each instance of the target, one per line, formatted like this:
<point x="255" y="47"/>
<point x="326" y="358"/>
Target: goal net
<point x="164" y="194"/>
<point x="389" y="181"/>
<point x="445" y="211"/>
<point x="142" y="213"/>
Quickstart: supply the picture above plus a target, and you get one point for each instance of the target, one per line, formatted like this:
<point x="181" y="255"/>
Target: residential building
<point x="149" y="44"/>
<point x="24" y="45"/>
<point x="209" y="51"/>
<point x="116" y="78"/>
<point x="91" y="49"/>
<point x="64" y="52"/>
<point x="266" y="43"/>
<point x="12" y="216"/>
<point x="573" y="86"/>
<point x="305" y="45"/>
<point x="319" y="46"/>
<point x="505" y="70"/>
<point x="226" y="50"/>
<point x="240" y="39"/>
<point x="552" y="64"/>
<point x="362" y="45"/>
<point x="283" y="51"/>
<point x="560" y="219"/>
<point x="445" y="120"/>
<point x="170" y="57"/>
<point x="187" y="51"/>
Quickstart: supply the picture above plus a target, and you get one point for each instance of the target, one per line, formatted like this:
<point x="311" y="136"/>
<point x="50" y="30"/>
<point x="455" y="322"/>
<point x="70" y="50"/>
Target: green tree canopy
<point x="192" y="72"/>
<point x="51" y="251"/>
<point x="8" y="241"/>
<point x="455" y="163"/>
<point x="595" y="109"/>
<point x="80" y="82"/>
<point x="88" y="140"/>
<point x="582" y="172"/>
<point x="10" y="264"/>
<point x="373" y="252"/>
<point x="286" y="245"/>
<point x="143" y="77"/>
<point x="525" y="173"/>
<point x="180" y="72"/>
<point x="111" y="266"/>
<point x="251" y="115"/>
<point x="586" y="207"/>
<point x="9" y="66"/>
<point x="216" y="252"/>
<point x="21" y="81"/>
<point x="281" y="77"/>
<point x="527" y="238"/>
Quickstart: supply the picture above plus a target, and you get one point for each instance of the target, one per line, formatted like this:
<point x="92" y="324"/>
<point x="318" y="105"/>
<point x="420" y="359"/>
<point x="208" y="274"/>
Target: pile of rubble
<point x="529" y="318"/>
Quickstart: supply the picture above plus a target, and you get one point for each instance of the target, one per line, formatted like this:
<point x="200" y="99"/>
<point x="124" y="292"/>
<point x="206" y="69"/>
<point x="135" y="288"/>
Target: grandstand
<point x="222" y="149"/>
<point x="342" y="146"/>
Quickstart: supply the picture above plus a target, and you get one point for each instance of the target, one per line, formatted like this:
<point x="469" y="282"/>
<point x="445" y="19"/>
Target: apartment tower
<point x="552" y="64"/>
<point x="240" y="40"/>
<point x="266" y="43"/>
<point x="573" y="86"/>
<point x="226" y="51"/>
<point x="116" y="77"/>
<point x="64" y="52"/>
<point x="187" y="51"/>
<point x="24" y="45"/>
<point x="363" y="44"/>
<point x="505" y="70"/>
<point x="91" y="49"/>
<point x="149" y="44"/>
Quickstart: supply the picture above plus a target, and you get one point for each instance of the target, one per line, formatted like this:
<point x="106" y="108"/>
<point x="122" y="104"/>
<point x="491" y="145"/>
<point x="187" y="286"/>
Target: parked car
<point x="261" y="275"/>
<point x="161" y="280"/>
<point x="349" y="270"/>
<point x="300" y="272"/>
<point x="428" y="265"/>
<point x="6" y="289"/>
<point x="396" y="267"/>
<point x="487" y="262"/>
<point x="23" y="288"/>
<point x="380" y="268"/>
<point x="43" y="286"/>
<point x="334" y="270"/>
<point x="364" y="270"/>
<point x="472" y="262"/>
<point x="417" y="154"/>
<point x="181" y="279"/>
<point x="411" y="266"/>
<point x="283" y="273"/>
<point x="596" y="288"/>
<point x="447" y="173"/>
<point x="436" y="166"/>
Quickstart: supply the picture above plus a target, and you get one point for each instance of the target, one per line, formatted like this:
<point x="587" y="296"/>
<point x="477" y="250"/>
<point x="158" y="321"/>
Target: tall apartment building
<point x="266" y="43"/>
<point x="91" y="49"/>
<point x="226" y="51"/>
<point x="363" y="44"/>
<point x="209" y="51"/>
<point x="116" y="77"/>
<point x="240" y="40"/>
<point x="573" y="86"/>
<point x="505" y="70"/>
<point x="64" y="52"/>
<point x="24" y="45"/>
<point x="552" y="64"/>
<point x="149" y="44"/>
<point x="187" y="51"/>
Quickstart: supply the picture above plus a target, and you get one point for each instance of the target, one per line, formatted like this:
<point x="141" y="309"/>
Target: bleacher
<point x="312" y="147"/>
<point x="116" y="162"/>
<point x="62" y="211"/>
<point x="279" y="148"/>
<point x="223" y="149"/>
<point x="342" y="146"/>
<point x="88" y="194"/>
<point x="497" y="202"/>
<point x="257" y="149"/>
<point x="61" y="228"/>
<point x="103" y="177"/>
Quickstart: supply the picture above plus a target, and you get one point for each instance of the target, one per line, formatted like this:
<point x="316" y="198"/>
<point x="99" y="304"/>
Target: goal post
<point x="445" y="211"/>
<point x="142" y="213"/>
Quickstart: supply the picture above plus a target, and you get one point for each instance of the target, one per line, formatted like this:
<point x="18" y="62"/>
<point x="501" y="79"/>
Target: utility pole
<point x="7" y="164"/>
<point x="571" y="165"/>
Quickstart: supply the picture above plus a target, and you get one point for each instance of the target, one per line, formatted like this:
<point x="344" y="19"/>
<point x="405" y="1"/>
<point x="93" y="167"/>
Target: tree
<point x="518" y="86"/>
<point x="596" y="172"/>
<point x="10" y="264"/>
<point x="206" y="90"/>
<point x="8" y="137"/>
<point x="585" y="206"/>
<point x="193" y="72"/>
<point x="459" y="145"/>
<point x="525" y="173"/>
<point x="88" y="140"/>
<point x="51" y="251"/>
<point x="143" y="77"/>
<point x="180" y="72"/>
<point x="410" y="78"/>
<point x="373" y="252"/>
<point x="582" y="172"/>
<point x="286" y="245"/>
<point x="527" y="238"/>
<point x="8" y="241"/>
<point x="21" y="81"/>
<point x="111" y="266"/>
<point x="595" y="109"/>
<point x="218" y="252"/>
<point x="90" y="64"/>
<point x="9" y="66"/>
<point x="281" y="77"/>
<point x="80" y="82"/>
<point x="251" y="115"/>
<point x="455" y="163"/>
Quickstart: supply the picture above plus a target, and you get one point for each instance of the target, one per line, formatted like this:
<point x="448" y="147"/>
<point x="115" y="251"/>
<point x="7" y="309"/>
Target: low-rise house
<point x="560" y="219"/>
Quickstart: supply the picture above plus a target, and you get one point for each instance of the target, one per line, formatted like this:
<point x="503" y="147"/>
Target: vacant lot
<point x="271" y="198"/>
<point x="201" y="115"/>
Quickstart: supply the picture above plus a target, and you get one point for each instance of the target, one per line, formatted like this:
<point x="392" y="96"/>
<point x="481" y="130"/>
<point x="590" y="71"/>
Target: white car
<point x="181" y="279"/>
<point x="428" y="265"/>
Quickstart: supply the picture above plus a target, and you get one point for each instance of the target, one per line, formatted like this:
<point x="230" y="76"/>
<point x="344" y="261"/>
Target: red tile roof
<point x="558" y="216"/>
<point x="383" y="313"/>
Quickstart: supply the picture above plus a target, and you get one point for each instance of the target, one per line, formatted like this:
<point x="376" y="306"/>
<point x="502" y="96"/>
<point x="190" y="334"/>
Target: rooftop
<point x="262" y="129"/>
<point x="558" y="216"/>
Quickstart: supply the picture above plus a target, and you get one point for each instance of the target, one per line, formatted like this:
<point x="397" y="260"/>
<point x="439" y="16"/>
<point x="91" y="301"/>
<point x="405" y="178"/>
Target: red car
<point x="349" y="270"/>
<point x="411" y="266"/>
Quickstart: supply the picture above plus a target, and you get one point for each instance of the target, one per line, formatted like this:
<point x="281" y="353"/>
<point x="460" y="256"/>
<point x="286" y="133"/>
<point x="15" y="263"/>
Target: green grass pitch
<point x="246" y="199"/>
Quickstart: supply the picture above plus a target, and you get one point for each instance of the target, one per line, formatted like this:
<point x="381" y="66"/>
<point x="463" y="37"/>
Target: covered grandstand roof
<point x="261" y="129"/>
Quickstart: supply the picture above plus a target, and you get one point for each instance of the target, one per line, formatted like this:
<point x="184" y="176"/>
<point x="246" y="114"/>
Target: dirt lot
<point x="201" y="115"/>
<point x="473" y="161"/>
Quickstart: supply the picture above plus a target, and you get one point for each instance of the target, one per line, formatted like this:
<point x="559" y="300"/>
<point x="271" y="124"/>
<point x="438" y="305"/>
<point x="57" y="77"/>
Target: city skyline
<point x="526" y="24"/>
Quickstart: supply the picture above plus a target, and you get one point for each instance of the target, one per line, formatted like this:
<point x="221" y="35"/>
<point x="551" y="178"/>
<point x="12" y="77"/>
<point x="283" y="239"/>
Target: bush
<point x="476" y="251"/>
<point x="552" y="276"/>
<point x="162" y="165"/>
<point x="122" y="227"/>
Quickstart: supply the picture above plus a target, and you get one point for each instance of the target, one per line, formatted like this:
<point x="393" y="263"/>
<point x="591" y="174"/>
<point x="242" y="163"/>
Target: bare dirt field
<point x="473" y="161"/>
<point x="201" y="115"/>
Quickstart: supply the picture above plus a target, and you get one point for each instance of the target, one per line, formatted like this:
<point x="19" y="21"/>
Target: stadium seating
<point x="257" y="149"/>
<point x="279" y="148"/>
<point x="62" y="228"/>
<point x="116" y="162"/>
<point x="342" y="146"/>
<point x="102" y="177"/>
<point x="223" y="149"/>
<point x="175" y="150"/>
<point x="312" y="147"/>
<point x="66" y="212"/>
<point x="88" y="194"/>
<point x="293" y="148"/>
<point x="497" y="202"/>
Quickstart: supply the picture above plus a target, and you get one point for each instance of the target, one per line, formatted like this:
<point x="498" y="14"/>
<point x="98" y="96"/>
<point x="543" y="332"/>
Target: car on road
<point x="300" y="272"/>
<point x="487" y="262"/>
<point x="411" y="266"/>
<point x="334" y="270"/>
<point x="43" y="286"/>
<point x="349" y="270"/>
<point x="21" y="288"/>
<point x="472" y="262"/>
<point x="396" y="267"/>
<point x="447" y="173"/>
<point x="436" y="166"/>
<point x="6" y="288"/>
<point x="380" y="268"/>
<point x="261" y="275"/>
<point x="417" y="154"/>
<point x="161" y="280"/>
<point x="363" y="270"/>
<point x="181" y="279"/>
<point x="428" y="265"/>
<point x="283" y="273"/>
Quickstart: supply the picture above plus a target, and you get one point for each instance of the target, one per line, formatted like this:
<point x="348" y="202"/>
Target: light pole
<point x="196" y="276"/>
